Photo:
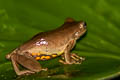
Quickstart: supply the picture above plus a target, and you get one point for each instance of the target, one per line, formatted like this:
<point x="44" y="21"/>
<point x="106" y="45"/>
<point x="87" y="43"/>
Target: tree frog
<point x="48" y="45"/>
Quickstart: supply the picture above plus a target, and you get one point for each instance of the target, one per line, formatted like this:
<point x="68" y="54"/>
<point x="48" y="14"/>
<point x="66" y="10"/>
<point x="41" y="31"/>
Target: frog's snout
<point x="84" y="24"/>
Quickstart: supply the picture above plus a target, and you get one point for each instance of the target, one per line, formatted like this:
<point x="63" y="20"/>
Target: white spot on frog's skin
<point x="38" y="43"/>
<point x="81" y="26"/>
<point x="76" y="34"/>
<point x="42" y="39"/>
<point x="42" y="42"/>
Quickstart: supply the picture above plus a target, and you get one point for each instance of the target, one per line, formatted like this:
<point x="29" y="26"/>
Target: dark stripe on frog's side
<point x="44" y="57"/>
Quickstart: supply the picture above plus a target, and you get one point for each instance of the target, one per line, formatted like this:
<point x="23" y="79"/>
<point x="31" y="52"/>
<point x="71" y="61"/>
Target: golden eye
<point x="81" y="26"/>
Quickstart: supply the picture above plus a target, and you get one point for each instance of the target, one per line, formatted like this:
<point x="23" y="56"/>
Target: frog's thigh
<point x="29" y="63"/>
<point x="16" y="67"/>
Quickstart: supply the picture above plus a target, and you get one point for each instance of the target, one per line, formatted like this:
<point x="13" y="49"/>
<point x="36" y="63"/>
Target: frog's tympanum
<point x="48" y="45"/>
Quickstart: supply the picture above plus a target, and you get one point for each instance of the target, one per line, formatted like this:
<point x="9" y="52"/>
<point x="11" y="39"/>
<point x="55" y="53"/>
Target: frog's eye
<point x="82" y="25"/>
<point x="69" y="20"/>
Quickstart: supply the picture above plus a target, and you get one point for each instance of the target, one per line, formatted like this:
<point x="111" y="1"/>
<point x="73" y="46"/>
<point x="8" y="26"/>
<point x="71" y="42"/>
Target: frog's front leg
<point x="71" y="58"/>
<point x="28" y="62"/>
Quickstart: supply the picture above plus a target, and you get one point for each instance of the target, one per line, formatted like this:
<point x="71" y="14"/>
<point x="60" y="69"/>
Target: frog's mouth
<point x="80" y="34"/>
<point x="83" y="32"/>
<point x="83" y="28"/>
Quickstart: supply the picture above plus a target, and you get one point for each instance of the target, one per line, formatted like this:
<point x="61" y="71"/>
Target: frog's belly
<point x="43" y="57"/>
<point x="43" y="54"/>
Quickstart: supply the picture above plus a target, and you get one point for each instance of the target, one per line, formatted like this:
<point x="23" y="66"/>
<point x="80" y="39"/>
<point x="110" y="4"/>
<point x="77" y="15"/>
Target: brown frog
<point x="48" y="45"/>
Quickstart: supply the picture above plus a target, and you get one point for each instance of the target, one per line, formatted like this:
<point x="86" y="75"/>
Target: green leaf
<point x="20" y="20"/>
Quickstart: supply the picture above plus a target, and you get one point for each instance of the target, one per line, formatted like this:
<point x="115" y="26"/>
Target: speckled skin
<point x="55" y="42"/>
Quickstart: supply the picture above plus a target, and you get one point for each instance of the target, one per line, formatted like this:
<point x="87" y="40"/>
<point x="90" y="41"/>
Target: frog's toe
<point x="77" y="59"/>
<point x="44" y="69"/>
<point x="63" y="62"/>
<point x="29" y="72"/>
<point x="25" y="72"/>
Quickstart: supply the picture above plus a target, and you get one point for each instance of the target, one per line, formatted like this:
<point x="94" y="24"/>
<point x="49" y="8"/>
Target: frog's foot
<point x="74" y="59"/>
<point x="77" y="59"/>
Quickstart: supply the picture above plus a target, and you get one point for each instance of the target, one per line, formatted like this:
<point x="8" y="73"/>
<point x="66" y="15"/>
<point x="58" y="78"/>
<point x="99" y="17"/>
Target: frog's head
<point x="81" y="29"/>
<point x="78" y="28"/>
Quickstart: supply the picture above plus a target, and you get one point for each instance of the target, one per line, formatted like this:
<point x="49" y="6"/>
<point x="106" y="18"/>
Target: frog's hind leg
<point x="30" y="63"/>
<point x="16" y="66"/>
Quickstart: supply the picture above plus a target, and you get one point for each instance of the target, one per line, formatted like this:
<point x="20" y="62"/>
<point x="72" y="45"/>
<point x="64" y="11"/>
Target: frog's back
<point x="52" y="39"/>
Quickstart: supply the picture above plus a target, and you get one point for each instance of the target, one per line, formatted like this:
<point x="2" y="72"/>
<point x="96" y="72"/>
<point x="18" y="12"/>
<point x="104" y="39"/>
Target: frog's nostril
<point x="85" y="24"/>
